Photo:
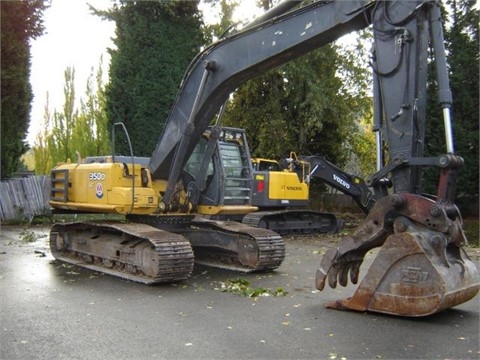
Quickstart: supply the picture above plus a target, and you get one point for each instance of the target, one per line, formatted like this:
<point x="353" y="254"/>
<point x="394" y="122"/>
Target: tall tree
<point x="462" y="44"/>
<point x="41" y="153"/>
<point x="21" y="21"/>
<point x="155" y="41"/>
<point x="74" y="130"/>
<point x="60" y="139"/>
<point x="90" y="135"/>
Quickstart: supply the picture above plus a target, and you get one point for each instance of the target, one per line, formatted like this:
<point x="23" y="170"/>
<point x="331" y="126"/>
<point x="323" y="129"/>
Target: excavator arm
<point x="338" y="179"/>
<point x="421" y="267"/>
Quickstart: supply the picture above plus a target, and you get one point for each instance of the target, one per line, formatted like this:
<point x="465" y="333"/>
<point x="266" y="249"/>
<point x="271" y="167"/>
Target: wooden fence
<point x="24" y="198"/>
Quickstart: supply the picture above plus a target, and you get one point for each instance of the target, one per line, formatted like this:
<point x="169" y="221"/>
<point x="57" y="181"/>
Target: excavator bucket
<point x="417" y="272"/>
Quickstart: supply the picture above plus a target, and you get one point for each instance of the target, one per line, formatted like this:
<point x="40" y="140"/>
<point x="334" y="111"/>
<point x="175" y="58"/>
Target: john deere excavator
<point x="421" y="267"/>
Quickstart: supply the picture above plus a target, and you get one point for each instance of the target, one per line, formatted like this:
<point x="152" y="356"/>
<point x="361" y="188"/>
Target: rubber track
<point x="175" y="255"/>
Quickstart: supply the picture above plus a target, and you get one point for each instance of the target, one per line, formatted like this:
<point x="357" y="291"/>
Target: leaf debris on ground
<point x="242" y="287"/>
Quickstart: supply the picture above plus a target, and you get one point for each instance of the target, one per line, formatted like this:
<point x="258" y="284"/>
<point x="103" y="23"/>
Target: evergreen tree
<point x="155" y="41"/>
<point x="73" y="131"/>
<point x="20" y="22"/>
<point x="463" y="45"/>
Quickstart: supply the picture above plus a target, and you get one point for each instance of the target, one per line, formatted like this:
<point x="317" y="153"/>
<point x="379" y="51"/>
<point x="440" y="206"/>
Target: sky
<point x="73" y="38"/>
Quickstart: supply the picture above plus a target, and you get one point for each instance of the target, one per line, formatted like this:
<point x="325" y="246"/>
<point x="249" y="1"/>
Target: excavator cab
<point x="220" y="167"/>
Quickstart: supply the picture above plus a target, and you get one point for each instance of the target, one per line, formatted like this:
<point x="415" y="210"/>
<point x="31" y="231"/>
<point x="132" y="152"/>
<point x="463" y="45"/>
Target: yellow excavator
<point x="281" y="191"/>
<point x="157" y="242"/>
<point x="421" y="267"/>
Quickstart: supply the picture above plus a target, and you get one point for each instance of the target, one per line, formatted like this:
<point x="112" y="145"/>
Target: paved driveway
<point x="51" y="310"/>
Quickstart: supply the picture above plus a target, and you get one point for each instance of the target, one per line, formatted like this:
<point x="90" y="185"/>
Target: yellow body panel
<point x="105" y="187"/>
<point x="286" y="185"/>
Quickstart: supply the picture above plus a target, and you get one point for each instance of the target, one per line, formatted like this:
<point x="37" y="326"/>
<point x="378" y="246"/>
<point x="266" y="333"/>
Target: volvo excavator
<point x="421" y="267"/>
<point x="281" y="191"/>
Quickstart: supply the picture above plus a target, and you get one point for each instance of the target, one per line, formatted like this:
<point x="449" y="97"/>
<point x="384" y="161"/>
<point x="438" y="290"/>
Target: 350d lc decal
<point x="96" y="176"/>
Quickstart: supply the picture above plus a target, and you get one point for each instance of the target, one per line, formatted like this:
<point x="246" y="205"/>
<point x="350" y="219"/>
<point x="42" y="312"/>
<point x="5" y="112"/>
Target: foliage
<point x="41" y="152"/>
<point x="72" y="131"/>
<point x="242" y="287"/>
<point x="28" y="236"/>
<point x="462" y="44"/>
<point x="59" y="142"/>
<point x="225" y="23"/>
<point x="362" y="142"/>
<point x="355" y="73"/>
<point x="21" y="21"/>
<point x="302" y="106"/>
<point x="155" y="41"/>
<point x="317" y="104"/>
<point x="91" y="135"/>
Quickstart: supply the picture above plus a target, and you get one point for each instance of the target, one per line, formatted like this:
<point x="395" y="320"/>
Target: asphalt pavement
<point x="53" y="310"/>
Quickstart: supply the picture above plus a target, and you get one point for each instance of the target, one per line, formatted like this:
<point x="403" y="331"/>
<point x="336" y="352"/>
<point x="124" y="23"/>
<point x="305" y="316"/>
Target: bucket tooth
<point x="417" y="272"/>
